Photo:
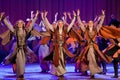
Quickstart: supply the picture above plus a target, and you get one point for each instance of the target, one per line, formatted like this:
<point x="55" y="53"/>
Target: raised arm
<point x="32" y="15"/>
<point x="96" y="20"/>
<point x="102" y="17"/>
<point x="46" y="22"/>
<point x="72" y="22"/>
<point x="69" y="15"/>
<point x="43" y="20"/>
<point x="56" y="15"/>
<point x="7" y="22"/>
<point x="64" y="18"/>
<point x="81" y="25"/>
<point x="33" y="21"/>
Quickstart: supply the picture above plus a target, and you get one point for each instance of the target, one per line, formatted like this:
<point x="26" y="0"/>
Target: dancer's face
<point x="60" y="24"/>
<point x="90" y="23"/>
<point x="20" y="24"/>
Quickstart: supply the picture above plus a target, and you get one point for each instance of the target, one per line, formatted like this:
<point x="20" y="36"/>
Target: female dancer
<point x="19" y="55"/>
<point x="91" y="51"/>
<point x="59" y="37"/>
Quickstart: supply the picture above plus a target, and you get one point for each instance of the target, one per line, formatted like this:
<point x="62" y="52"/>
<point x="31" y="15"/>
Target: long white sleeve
<point x="32" y="24"/>
<point x="8" y="24"/>
<point x="71" y="24"/>
<point x="100" y="23"/>
<point x="47" y="24"/>
<point x="81" y="25"/>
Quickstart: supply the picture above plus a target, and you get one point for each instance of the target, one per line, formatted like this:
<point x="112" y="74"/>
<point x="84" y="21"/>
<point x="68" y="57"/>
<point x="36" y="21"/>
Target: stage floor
<point x="32" y="72"/>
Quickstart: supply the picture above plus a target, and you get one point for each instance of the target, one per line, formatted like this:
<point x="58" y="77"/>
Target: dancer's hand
<point x="74" y="14"/>
<point x="32" y="15"/>
<point x="56" y="14"/>
<point x="65" y="14"/>
<point x="78" y="12"/>
<point x="42" y="15"/>
<point x="69" y="15"/>
<point x="103" y="12"/>
<point x="37" y="13"/>
<point x="45" y="14"/>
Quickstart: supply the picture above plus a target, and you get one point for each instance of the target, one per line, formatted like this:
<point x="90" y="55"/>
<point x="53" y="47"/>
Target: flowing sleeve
<point x="100" y="23"/>
<point x="109" y="32"/>
<point x="81" y="24"/>
<point x="6" y="37"/>
<point x="8" y="24"/>
<point x="45" y="40"/>
<point x="34" y="32"/>
<point x="76" y="36"/>
<point x="71" y="24"/>
<point x="47" y="24"/>
<point x="31" y="24"/>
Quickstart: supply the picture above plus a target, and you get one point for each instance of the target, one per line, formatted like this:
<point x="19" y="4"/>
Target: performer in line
<point x="59" y="42"/>
<point x="20" y="32"/>
<point x="91" y="52"/>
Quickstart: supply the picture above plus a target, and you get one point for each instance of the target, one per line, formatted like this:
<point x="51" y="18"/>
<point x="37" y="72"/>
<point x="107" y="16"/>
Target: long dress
<point x="60" y="69"/>
<point x="60" y="47"/>
<point x="91" y="57"/>
<point x="19" y="55"/>
<point x="91" y="54"/>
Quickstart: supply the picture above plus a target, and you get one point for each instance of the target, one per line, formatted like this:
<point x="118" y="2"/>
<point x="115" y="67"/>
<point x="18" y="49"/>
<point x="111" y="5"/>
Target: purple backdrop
<point x="20" y="9"/>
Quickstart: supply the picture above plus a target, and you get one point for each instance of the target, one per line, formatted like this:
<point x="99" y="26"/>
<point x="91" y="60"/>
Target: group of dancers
<point x="54" y="40"/>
